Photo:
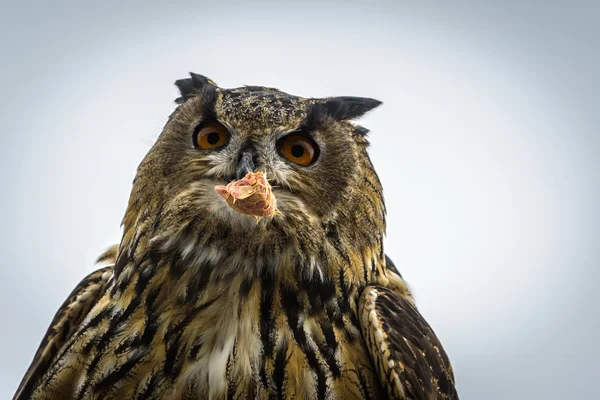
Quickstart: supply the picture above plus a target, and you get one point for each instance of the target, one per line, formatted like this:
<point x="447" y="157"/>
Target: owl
<point x="251" y="266"/>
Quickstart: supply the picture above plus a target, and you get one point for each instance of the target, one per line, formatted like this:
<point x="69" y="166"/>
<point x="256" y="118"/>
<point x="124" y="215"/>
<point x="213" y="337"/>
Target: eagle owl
<point x="251" y="267"/>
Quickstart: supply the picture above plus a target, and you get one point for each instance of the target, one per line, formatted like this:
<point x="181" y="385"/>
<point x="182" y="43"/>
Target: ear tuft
<point x="346" y="107"/>
<point x="362" y="131"/>
<point x="192" y="85"/>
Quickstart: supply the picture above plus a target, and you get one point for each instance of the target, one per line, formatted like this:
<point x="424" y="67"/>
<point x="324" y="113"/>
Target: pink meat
<point x="250" y="195"/>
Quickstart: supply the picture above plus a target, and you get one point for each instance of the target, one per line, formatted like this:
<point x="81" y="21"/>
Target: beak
<point x="245" y="165"/>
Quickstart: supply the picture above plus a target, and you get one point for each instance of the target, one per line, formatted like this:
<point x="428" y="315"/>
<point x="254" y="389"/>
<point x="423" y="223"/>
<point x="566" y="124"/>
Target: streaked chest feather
<point x="178" y="336"/>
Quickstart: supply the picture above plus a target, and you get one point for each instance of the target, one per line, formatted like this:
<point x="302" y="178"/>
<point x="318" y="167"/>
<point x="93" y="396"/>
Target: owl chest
<point x="276" y="343"/>
<point x="239" y="339"/>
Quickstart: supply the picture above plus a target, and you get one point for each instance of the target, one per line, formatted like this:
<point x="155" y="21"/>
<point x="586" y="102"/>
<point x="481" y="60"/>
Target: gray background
<point x="487" y="146"/>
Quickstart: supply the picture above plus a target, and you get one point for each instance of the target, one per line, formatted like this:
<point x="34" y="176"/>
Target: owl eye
<point x="211" y="135"/>
<point x="298" y="149"/>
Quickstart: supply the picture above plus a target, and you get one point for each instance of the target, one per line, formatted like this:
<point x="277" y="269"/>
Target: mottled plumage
<point x="205" y="302"/>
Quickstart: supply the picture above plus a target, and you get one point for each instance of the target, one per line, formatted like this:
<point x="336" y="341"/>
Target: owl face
<point x="306" y="147"/>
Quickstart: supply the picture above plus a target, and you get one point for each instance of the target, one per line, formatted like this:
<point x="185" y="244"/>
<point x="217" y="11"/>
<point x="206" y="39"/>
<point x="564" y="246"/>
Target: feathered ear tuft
<point x="192" y="85"/>
<point x="343" y="108"/>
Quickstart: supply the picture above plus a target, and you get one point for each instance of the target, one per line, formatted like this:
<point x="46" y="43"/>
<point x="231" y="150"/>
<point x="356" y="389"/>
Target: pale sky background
<point x="487" y="145"/>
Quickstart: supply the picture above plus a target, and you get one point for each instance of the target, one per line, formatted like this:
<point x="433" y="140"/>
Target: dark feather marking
<point x="228" y="369"/>
<point x="315" y="303"/>
<point x="332" y="307"/>
<point x="318" y="292"/>
<point x="330" y="348"/>
<point x="363" y="383"/>
<point x="207" y="239"/>
<point x="141" y="342"/>
<point x="390" y="264"/>
<point x="266" y="319"/>
<point x="279" y="372"/>
<point x="321" y="385"/>
<point x="251" y="391"/>
<point x="150" y="387"/>
<point x="245" y="287"/>
<point x="136" y="241"/>
<point x="119" y="372"/>
<point x="374" y="265"/>
<point x="173" y="359"/>
<point x="176" y="266"/>
<point x="365" y="388"/>
<point x="94" y="341"/>
<point x="150" y="329"/>
<point x="122" y="261"/>
<point x="334" y="239"/>
<point x="301" y="251"/>
<point x="173" y="348"/>
<point x="198" y="282"/>
<point x="376" y="188"/>
<point x="124" y="281"/>
<point x="66" y="329"/>
<point x="366" y="197"/>
<point x="352" y="376"/>
<point x="195" y="350"/>
<point x="158" y="218"/>
<point x="144" y="278"/>
<point x="291" y="306"/>
<point x="96" y="319"/>
<point x="135" y="302"/>
<point x="127" y="344"/>
<point x="101" y="342"/>
<point x="345" y="304"/>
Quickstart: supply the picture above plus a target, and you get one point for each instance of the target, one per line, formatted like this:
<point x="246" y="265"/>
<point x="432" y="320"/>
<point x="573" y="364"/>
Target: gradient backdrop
<point x="487" y="145"/>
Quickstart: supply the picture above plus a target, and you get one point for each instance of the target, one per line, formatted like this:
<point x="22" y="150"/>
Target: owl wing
<point x="66" y="321"/>
<point x="407" y="354"/>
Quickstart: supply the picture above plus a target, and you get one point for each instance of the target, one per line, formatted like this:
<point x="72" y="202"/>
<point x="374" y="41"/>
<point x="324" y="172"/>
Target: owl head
<point x="311" y="153"/>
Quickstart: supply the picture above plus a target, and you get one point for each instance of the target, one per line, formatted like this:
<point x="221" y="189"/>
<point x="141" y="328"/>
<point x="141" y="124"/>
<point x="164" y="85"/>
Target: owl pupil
<point x="213" y="138"/>
<point x="297" y="150"/>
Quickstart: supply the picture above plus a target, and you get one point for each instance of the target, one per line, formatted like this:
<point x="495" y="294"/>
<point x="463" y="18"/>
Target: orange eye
<point x="211" y="135"/>
<point x="298" y="149"/>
